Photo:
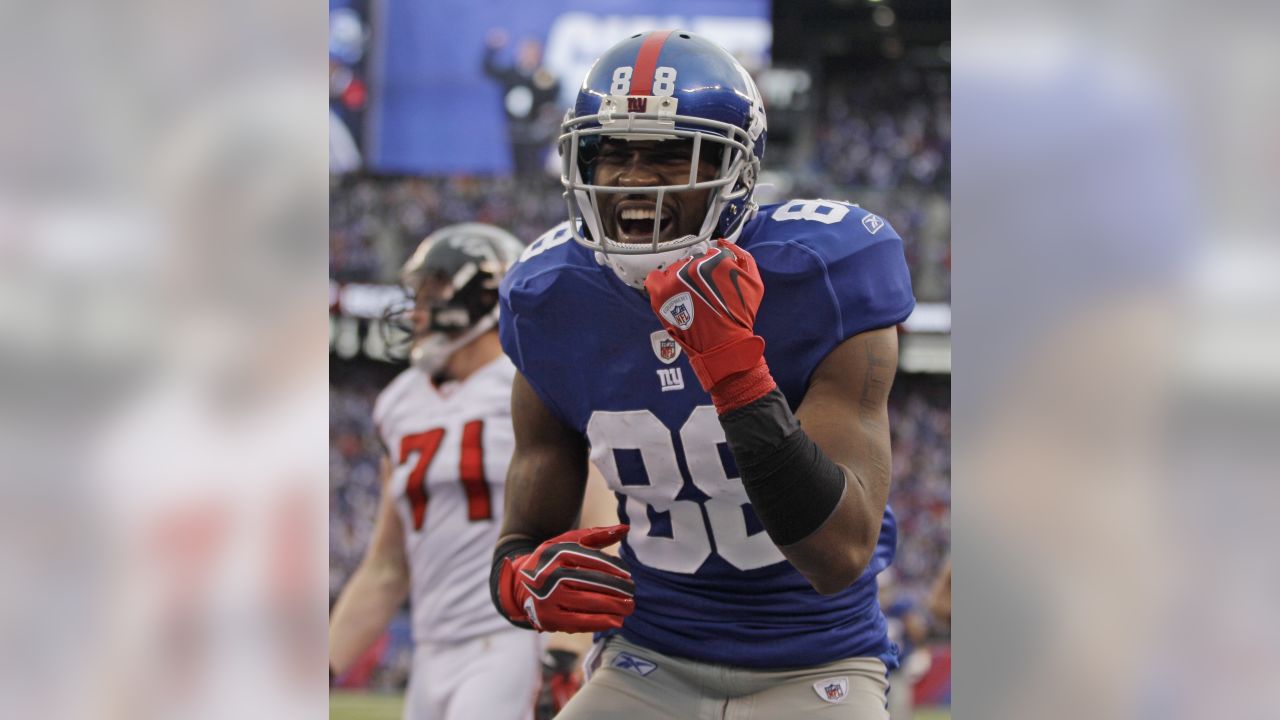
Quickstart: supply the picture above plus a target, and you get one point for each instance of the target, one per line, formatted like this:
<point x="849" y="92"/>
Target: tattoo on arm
<point x="872" y="408"/>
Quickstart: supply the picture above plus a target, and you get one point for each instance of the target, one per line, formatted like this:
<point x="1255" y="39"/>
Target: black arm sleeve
<point x="512" y="548"/>
<point x="793" y="486"/>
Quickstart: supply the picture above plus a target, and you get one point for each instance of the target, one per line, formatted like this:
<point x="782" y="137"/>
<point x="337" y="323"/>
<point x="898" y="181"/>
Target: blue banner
<point x="458" y="86"/>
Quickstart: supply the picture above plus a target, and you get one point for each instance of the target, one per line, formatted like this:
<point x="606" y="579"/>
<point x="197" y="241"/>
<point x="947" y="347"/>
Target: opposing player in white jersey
<point x="446" y="426"/>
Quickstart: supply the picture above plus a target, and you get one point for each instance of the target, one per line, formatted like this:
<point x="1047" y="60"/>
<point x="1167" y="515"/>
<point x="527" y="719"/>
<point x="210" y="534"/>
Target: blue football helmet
<point x="664" y="85"/>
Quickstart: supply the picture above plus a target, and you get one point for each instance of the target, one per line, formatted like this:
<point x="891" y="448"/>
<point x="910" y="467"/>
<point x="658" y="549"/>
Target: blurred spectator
<point x="908" y="629"/>
<point x="529" y="93"/>
<point x="348" y="91"/>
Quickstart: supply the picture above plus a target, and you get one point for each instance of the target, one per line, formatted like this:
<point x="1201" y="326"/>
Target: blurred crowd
<point x="887" y="131"/>
<point x="354" y="456"/>
<point x="375" y="222"/>
<point x="920" y="424"/>
<point x="883" y="140"/>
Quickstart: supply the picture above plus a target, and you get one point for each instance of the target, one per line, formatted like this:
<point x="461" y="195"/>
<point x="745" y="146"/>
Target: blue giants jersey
<point x="710" y="584"/>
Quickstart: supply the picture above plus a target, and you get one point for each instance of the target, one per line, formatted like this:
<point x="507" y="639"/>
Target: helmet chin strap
<point x="633" y="269"/>
<point x="432" y="353"/>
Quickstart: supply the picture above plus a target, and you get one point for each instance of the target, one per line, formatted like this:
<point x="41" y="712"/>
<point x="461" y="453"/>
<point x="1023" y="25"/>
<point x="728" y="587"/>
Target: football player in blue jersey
<point x="753" y="501"/>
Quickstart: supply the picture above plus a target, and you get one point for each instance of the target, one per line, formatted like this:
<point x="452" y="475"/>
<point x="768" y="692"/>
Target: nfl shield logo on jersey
<point x="678" y="310"/>
<point x="833" y="689"/>
<point x="664" y="347"/>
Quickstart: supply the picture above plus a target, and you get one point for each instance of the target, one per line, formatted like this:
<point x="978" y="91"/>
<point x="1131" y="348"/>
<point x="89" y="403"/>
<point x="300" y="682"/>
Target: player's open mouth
<point x="635" y="222"/>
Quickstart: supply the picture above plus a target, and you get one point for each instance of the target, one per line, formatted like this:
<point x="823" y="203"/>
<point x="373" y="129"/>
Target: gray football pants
<point x="633" y="683"/>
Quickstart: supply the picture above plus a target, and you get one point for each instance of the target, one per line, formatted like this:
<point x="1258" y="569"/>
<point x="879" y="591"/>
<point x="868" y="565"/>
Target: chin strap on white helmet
<point x="431" y="353"/>
<point x="633" y="269"/>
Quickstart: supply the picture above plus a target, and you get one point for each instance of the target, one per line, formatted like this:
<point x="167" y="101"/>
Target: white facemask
<point x="633" y="269"/>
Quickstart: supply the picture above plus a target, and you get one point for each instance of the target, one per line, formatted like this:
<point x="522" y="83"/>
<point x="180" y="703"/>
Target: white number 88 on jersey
<point x="689" y="544"/>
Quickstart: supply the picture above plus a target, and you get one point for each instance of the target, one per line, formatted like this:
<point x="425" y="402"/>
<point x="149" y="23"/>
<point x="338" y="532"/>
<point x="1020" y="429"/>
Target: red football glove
<point x="568" y="585"/>
<point x="708" y="303"/>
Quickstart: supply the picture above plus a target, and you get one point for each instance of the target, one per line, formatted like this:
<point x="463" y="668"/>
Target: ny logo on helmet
<point x="637" y="104"/>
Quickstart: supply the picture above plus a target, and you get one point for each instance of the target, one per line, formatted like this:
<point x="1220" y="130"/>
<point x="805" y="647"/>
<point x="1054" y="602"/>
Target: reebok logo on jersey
<point x="639" y="666"/>
<point x="664" y="347"/>
<point x="678" y="310"/>
<point x="832" y="690"/>
<point x="872" y="223"/>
